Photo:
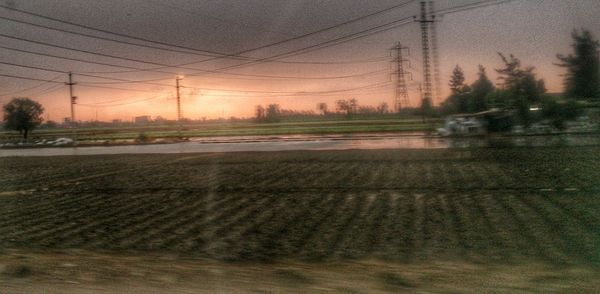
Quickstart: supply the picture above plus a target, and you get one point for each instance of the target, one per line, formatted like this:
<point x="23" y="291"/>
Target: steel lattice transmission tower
<point x="435" y="54"/>
<point x="401" y="97"/>
<point x="425" y="44"/>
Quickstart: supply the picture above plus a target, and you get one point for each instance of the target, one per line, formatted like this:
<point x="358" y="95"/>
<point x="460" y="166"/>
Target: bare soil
<point x="508" y="219"/>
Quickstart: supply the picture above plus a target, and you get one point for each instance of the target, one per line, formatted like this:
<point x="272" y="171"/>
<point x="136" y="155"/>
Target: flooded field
<point x="312" y="142"/>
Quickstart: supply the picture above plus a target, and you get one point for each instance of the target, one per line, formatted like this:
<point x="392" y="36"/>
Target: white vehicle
<point x="459" y="125"/>
<point x="63" y="141"/>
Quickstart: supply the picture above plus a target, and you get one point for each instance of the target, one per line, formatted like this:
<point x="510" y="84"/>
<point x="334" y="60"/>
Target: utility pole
<point x="401" y="97"/>
<point x="73" y="102"/>
<point x="177" y="87"/>
<point x="425" y="21"/>
<point x="177" y="79"/>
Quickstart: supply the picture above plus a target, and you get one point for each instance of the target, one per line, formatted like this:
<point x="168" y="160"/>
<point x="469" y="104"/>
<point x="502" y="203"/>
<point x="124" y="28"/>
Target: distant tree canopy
<point x="22" y="115"/>
<point x="273" y="113"/>
<point x="522" y="86"/>
<point x="479" y="91"/>
<point x="457" y="81"/>
<point x="465" y="98"/>
<point x="322" y="107"/>
<point x="558" y="113"/>
<point x="259" y="113"/>
<point x="426" y="108"/>
<point x="270" y="114"/>
<point x="383" y="107"/>
<point x="344" y="107"/>
<point x="347" y="107"/>
<point x="582" y="80"/>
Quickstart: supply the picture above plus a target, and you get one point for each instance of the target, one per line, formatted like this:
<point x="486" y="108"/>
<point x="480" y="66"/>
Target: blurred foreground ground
<point x="91" y="272"/>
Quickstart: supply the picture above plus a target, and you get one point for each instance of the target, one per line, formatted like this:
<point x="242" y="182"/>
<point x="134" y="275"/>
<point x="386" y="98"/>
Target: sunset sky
<point x="143" y="84"/>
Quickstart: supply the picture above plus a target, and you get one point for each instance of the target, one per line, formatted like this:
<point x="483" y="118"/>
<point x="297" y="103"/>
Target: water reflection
<point x="341" y="142"/>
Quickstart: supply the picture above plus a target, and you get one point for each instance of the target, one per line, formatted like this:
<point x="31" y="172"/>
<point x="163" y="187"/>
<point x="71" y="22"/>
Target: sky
<point x="361" y="68"/>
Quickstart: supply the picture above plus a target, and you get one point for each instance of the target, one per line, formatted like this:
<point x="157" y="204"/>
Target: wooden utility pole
<point x="177" y="79"/>
<point x="177" y="87"/>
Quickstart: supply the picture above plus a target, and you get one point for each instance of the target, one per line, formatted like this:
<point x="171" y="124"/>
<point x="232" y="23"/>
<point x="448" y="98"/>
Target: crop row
<point x="390" y="225"/>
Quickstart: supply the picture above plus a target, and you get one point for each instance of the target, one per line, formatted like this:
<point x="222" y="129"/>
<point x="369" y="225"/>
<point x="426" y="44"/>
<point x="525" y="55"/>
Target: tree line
<point x="343" y="107"/>
<point x="520" y="91"/>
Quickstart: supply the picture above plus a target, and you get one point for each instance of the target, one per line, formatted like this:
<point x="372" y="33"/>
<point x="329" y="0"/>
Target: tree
<point x="348" y="107"/>
<point x="457" y="81"/>
<point x="559" y="113"/>
<point x="353" y="103"/>
<point x="499" y="99"/>
<point x="273" y="113"/>
<point x="342" y="106"/>
<point x="459" y="100"/>
<point x="522" y="86"/>
<point x="582" y="80"/>
<point x="322" y="107"/>
<point x="383" y="108"/>
<point x="23" y="115"/>
<point x="426" y="108"/>
<point x="260" y="113"/>
<point x="480" y="89"/>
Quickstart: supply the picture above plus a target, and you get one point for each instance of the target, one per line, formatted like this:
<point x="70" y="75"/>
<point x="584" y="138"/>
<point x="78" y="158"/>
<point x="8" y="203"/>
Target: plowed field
<point x="481" y="205"/>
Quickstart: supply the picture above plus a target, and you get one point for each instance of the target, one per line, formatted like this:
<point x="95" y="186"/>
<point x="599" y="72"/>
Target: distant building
<point x="144" y="119"/>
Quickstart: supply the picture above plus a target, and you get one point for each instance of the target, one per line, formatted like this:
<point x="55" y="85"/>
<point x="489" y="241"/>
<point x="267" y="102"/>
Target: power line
<point x="328" y="28"/>
<point x="110" y="32"/>
<point x="124" y="103"/>
<point x="88" y="84"/>
<point x="28" y="89"/>
<point x="322" y="45"/>
<point x="262" y="60"/>
<point x="236" y="75"/>
<point x="148" y="82"/>
<point x="29" y="78"/>
<point x="380" y="28"/>
<point x="221" y="55"/>
<point x="104" y="104"/>
<point x="472" y="6"/>
<point x="450" y="10"/>
<point x="51" y="89"/>
<point x="90" y="52"/>
<point x="319" y="46"/>
<point x="115" y="88"/>
<point x="173" y="50"/>
<point x="104" y="38"/>
<point x="205" y="15"/>
<point x="261" y="77"/>
<point x="81" y="60"/>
